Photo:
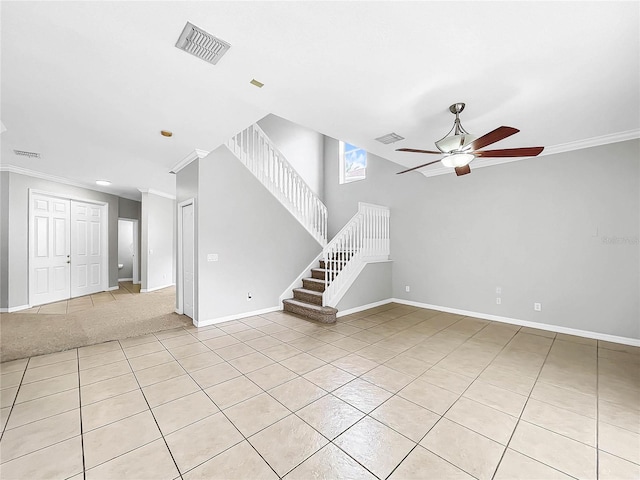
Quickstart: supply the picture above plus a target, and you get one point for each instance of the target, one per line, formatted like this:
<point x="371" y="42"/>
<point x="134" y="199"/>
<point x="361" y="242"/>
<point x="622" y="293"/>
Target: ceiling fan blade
<point x="510" y="152"/>
<point x="419" y="166"/>
<point x="417" y="151"/>
<point x="463" y="170"/>
<point x="494" y="136"/>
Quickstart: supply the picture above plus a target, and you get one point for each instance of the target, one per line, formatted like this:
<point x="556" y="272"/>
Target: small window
<point x="353" y="163"/>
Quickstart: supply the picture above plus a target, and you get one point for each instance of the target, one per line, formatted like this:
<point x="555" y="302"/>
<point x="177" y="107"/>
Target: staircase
<point x="308" y="300"/>
<point x="364" y="239"/>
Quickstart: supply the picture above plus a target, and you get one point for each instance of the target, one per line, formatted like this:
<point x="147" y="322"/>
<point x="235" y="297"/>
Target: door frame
<point x="180" y="267"/>
<point x="136" y="247"/>
<point x="104" y="281"/>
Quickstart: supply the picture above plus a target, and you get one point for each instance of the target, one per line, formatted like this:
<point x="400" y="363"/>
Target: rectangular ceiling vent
<point x="389" y="138"/>
<point x="203" y="45"/>
<point x="23" y="153"/>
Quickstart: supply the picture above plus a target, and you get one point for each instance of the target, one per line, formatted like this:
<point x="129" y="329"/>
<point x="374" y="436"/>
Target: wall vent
<point x="203" y="45"/>
<point x="23" y="153"/>
<point x="389" y="138"/>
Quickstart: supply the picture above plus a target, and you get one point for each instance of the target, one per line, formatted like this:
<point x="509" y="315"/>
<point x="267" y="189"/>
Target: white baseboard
<point x="137" y="283"/>
<point x="126" y="279"/>
<point x="14" y="309"/>
<point x="153" y="289"/>
<point x="212" y="321"/>
<point x="110" y="289"/>
<point x="363" y="307"/>
<point x="525" y="323"/>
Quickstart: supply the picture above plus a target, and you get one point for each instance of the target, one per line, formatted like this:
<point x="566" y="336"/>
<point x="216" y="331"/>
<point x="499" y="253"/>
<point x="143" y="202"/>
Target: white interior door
<point x="188" y="260"/>
<point x="49" y="249"/>
<point x="87" y="255"/>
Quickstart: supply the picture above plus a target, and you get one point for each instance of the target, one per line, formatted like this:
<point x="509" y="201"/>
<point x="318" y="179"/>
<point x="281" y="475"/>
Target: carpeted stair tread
<point x="306" y="295"/>
<point x="308" y="292"/>
<point x="315" y="284"/>
<point x="311" y="311"/>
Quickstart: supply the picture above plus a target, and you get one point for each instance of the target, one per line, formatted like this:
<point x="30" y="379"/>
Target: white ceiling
<point x="90" y="85"/>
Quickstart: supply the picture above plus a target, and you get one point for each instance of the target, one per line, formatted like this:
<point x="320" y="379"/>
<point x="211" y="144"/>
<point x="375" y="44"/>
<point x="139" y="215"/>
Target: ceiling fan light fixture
<point x="455" y="142"/>
<point x="457" y="160"/>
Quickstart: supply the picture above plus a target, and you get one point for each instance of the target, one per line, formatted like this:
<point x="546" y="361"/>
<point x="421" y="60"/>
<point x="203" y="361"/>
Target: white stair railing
<point x="258" y="153"/>
<point x="364" y="239"/>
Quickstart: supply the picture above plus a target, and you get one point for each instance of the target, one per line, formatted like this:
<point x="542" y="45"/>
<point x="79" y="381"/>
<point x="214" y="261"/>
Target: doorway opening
<point x="186" y="260"/>
<point x="128" y="257"/>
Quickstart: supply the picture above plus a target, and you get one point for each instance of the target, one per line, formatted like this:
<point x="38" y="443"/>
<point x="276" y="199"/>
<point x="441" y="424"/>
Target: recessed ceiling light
<point x="166" y="133"/>
<point x="256" y="83"/>
<point x="104" y="183"/>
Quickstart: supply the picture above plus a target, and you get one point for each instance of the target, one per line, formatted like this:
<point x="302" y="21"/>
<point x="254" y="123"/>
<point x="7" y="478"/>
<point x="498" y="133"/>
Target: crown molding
<point x="552" y="150"/>
<point x="196" y="154"/>
<point x="157" y="192"/>
<point x="65" y="181"/>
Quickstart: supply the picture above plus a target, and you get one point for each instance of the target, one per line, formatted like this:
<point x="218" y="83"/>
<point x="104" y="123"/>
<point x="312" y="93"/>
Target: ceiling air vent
<point x="23" y="153"/>
<point x="203" y="45"/>
<point x="389" y="138"/>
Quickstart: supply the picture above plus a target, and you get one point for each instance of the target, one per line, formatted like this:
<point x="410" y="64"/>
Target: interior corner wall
<point x="4" y="239"/>
<point x="158" y="237"/>
<point x="18" y="229"/>
<point x="261" y="247"/>
<point x="372" y="285"/>
<point x="303" y="148"/>
<point x="561" y="230"/>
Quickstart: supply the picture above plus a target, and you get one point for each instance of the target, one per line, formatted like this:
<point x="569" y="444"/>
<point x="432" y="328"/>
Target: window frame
<point x="343" y="178"/>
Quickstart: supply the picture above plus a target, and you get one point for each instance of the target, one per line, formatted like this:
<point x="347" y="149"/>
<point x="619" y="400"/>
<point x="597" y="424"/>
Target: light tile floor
<point x="393" y="392"/>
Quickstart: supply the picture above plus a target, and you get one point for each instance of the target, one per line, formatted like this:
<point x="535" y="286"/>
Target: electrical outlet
<point x="498" y="290"/>
<point x="249" y="296"/>
<point x="407" y="288"/>
<point x="537" y="307"/>
<point x="212" y="257"/>
<point x="498" y="301"/>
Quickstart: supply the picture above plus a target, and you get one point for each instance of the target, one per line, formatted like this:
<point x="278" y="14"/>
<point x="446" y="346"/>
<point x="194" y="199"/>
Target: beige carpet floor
<point x="127" y="315"/>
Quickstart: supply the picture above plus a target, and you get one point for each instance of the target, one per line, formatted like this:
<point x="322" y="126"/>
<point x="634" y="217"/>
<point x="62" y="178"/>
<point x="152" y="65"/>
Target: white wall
<point x="303" y="148"/>
<point x="158" y="242"/>
<point x="561" y="230"/>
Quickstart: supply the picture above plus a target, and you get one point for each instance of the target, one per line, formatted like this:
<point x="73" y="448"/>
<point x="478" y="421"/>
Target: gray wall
<point x="4" y="239"/>
<point x="125" y="249"/>
<point x="302" y="147"/>
<point x="158" y="241"/>
<point x="261" y="247"/>
<point x="561" y="230"/>
<point x="372" y="285"/>
<point x="18" y="221"/>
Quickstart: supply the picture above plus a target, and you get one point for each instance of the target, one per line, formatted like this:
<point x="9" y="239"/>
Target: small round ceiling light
<point x="104" y="183"/>
<point x="166" y="133"/>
